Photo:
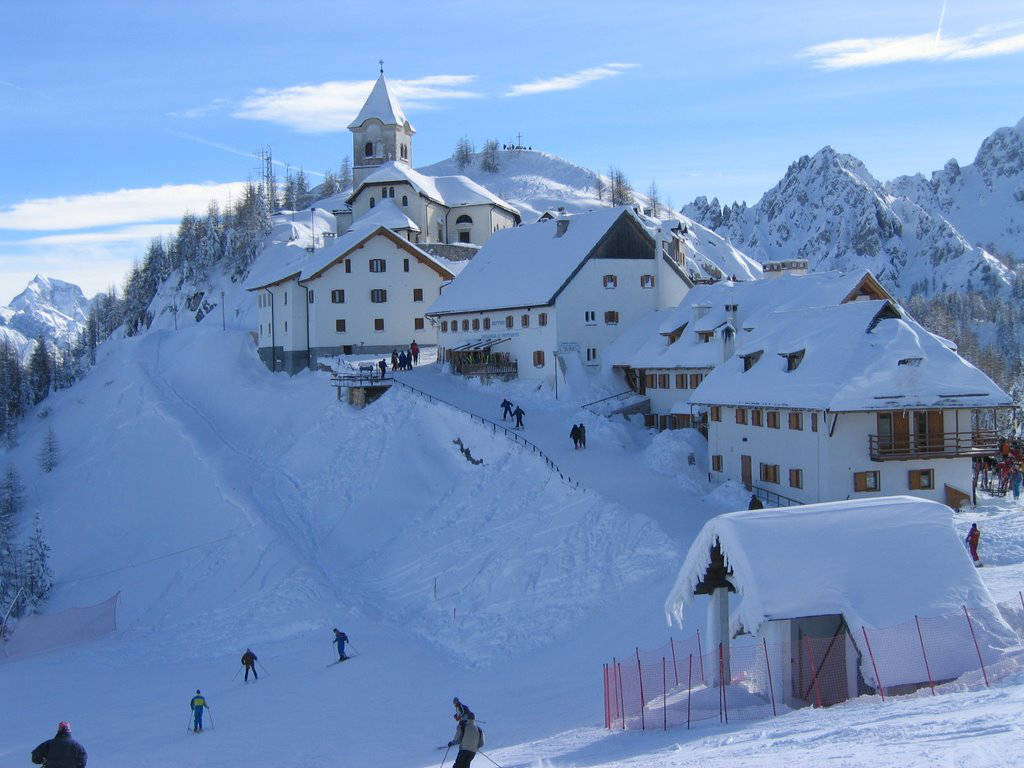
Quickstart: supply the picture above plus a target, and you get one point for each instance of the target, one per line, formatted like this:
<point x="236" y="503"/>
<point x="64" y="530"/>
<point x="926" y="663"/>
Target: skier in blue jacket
<point x="340" y="638"/>
<point x="198" y="704"/>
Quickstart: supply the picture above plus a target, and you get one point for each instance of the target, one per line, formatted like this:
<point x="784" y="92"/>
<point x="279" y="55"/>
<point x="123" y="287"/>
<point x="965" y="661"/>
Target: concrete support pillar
<point x="718" y="632"/>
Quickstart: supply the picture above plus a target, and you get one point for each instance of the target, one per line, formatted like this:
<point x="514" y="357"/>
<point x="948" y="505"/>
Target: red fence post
<point x="622" y="700"/>
<point x="640" y="677"/>
<point x="768" y="666"/>
<point x="814" y="670"/>
<point x="664" y="694"/>
<point x="604" y="673"/>
<point x="878" y="679"/>
<point x="689" y="682"/>
<point x="700" y="658"/>
<point x="927" y="668"/>
<point x="976" y="648"/>
<point x="721" y="681"/>
<point x="672" y="642"/>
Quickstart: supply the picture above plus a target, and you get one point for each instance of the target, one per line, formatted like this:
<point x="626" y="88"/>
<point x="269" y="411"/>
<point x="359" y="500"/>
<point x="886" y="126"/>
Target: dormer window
<point x="793" y="359"/>
<point x="749" y="360"/>
<point x="610" y="281"/>
<point x="646" y="281"/>
<point x="705" y="336"/>
<point x="731" y="307"/>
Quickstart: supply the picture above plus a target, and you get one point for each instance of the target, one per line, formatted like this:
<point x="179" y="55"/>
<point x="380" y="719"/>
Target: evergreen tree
<point x="40" y="371"/>
<point x="288" y="193"/>
<point x="302" y="196"/>
<point x="345" y="173"/>
<point x="12" y="495"/>
<point x="620" y="191"/>
<point x="36" y="575"/>
<point x="463" y="154"/>
<point x="489" y="158"/>
<point x="49" y="452"/>
<point x="329" y="186"/>
<point x="654" y="198"/>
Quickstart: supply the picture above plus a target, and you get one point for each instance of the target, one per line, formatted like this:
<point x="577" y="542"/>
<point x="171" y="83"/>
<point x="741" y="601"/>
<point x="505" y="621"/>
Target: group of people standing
<point x="404" y="360"/>
<point x="578" y="433"/>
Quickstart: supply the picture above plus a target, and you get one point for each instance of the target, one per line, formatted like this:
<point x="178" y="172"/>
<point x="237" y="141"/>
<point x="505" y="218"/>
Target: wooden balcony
<point x="942" y="445"/>
<point x="509" y="369"/>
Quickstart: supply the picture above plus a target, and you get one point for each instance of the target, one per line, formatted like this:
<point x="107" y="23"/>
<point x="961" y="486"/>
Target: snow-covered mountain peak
<point x="48" y="307"/>
<point x="1002" y="153"/>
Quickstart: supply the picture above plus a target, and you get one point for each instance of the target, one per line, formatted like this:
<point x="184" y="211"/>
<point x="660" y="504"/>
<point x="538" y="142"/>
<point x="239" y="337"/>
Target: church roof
<point x="450" y="191"/>
<point x="383" y="105"/>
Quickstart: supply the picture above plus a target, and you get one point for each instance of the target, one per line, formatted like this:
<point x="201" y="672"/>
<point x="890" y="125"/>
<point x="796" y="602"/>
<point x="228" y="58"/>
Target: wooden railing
<point x="489" y="369"/>
<point x="944" y="445"/>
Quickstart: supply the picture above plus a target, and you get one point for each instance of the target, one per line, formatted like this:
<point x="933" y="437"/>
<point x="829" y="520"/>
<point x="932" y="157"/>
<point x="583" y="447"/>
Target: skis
<point x="350" y="656"/>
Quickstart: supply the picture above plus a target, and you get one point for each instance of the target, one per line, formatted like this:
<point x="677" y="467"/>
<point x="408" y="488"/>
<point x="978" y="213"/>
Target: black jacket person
<point x="61" y="751"/>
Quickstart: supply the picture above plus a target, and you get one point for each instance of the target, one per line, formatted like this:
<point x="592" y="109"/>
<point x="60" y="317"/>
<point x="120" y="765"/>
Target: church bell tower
<point x="380" y="133"/>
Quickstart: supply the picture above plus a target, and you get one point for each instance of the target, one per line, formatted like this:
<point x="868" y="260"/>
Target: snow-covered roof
<point x="450" y="191"/>
<point x="858" y="356"/>
<point x="387" y="214"/>
<point x="526" y="266"/>
<point x="879" y="562"/>
<point x="383" y="105"/>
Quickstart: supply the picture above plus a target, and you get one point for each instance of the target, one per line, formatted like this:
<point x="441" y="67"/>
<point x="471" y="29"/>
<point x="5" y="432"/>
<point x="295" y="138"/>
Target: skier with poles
<point x="340" y="638"/>
<point x="973" y="539"/>
<point x="61" y="751"/>
<point x="469" y="737"/>
<point x="249" y="662"/>
<point x="506" y="409"/>
<point x="198" y="704"/>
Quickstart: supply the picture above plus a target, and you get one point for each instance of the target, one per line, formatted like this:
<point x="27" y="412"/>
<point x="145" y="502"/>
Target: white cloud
<point x="571" y="81"/>
<point x="330" y="106"/>
<point x="878" y="51"/>
<point x="123" y="206"/>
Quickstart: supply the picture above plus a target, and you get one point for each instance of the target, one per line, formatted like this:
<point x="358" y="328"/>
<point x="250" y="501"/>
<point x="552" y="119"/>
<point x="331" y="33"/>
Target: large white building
<point x="401" y="237"/>
<point x="561" y="288"/>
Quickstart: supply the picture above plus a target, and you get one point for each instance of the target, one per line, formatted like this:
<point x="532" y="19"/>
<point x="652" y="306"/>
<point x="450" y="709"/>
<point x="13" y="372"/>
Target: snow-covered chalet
<point x="543" y="296"/>
<point x="399" y="236"/>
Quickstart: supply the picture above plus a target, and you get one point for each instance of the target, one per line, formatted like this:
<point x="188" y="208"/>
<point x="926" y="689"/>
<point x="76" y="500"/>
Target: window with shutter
<point x="756" y="417"/>
<point x="814" y="422"/>
<point x="772" y="419"/>
<point x="695" y="380"/>
<point x="525" y="321"/>
<point x="646" y="281"/>
<point x="796" y="478"/>
<point x="865" y="481"/>
<point x="741" y="415"/>
<point x="921" y="480"/>
<point x="509" y="322"/>
<point x="610" y="281"/>
<point x="465" y="325"/>
<point x="652" y="381"/>
<point x="796" y="420"/>
<point x="716" y="463"/>
<point x="378" y="296"/>
<point x="680" y="381"/>
<point x="476" y="323"/>
<point x="337" y="296"/>
<point x="378" y="265"/>
<point x="487" y="323"/>
<point x="662" y="381"/>
<point x="538" y="359"/>
<point x="339" y="325"/>
<point x="716" y="413"/>
<point x="378" y="324"/>
<point x="444" y="326"/>
<point x="542" y="319"/>
<point x="418" y="323"/>
<point x="611" y="317"/>
<point x="417" y="294"/>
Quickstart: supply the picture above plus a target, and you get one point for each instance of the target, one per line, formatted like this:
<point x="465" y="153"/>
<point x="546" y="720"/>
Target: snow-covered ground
<point x="234" y="507"/>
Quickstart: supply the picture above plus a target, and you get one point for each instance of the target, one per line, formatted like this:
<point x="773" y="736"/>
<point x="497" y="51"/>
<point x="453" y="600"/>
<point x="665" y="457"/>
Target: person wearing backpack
<point x="468" y="736"/>
<point x="249" y="662"/>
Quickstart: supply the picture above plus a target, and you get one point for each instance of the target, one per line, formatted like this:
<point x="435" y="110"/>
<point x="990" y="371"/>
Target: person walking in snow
<point x="506" y="409"/>
<point x="469" y="739"/>
<point x="519" y="413"/>
<point x="249" y="662"/>
<point x="414" y="350"/>
<point x="383" y="365"/>
<point x="198" y="704"/>
<point x="394" y="360"/>
<point x="61" y="751"/>
<point x="755" y="502"/>
<point x="340" y="638"/>
<point x="973" y="539"/>
<point x="583" y="436"/>
<point x="574" y="433"/>
<point x="1016" y="477"/>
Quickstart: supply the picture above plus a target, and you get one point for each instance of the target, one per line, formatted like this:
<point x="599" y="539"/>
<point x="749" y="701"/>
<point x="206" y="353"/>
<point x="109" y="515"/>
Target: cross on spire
<point x="381" y="62"/>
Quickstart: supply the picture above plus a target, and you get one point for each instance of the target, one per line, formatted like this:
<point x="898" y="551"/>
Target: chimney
<point x="561" y="226"/>
<point x="699" y="310"/>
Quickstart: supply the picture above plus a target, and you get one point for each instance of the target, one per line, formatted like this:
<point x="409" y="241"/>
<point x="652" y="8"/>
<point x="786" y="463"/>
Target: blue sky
<point x="119" y="115"/>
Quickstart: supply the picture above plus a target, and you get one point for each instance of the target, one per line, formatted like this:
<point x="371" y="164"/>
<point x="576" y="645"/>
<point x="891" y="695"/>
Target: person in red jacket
<point x="973" y="539"/>
<point x="414" y="350"/>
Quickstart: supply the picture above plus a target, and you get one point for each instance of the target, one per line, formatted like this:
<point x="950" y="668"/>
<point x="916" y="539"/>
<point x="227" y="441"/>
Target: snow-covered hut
<point x="832" y="575"/>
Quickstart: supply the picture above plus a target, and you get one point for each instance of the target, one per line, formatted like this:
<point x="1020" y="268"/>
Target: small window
<point x="455" y="325"/>
<point x="286" y="326"/>
<point x="337" y="296"/>
<point x="444" y="326"/>
<point x="590" y="317"/>
<point x="756" y="417"/>
<point x="652" y="381"/>
<point x="465" y="325"/>
<point x="770" y="473"/>
<point x="772" y="419"/>
<point x="865" y="481"/>
<point x="373" y="203"/>
<point x="391" y="191"/>
<point x="339" y="325"/>
<point x="417" y="294"/>
<point x="405" y="265"/>
<point x="611" y="317"/>
<point x="464" y="237"/>
<point x="378" y="324"/>
<point x="405" y="201"/>
<point x="680" y="381"/>
<point x="814" y="422"/>
<point x="378" y="265"/>
<point x="796" y="478"/>
<point x="509" y="321"/>
<point x="716" y="463"/>
<point x="378" y="296"/>
<point x="538" y="359"/>
<point x="309" y="297"/>
<point x="921" y="479"/>
<point x="418" y="323"/>
<point x="796" y="420"/>
<point x="286" y="298"/>
<point x="716" y="413"/>
<point x="525" y="321"/>
<point x="793" y="360"/>
<point x="749" y="360"/>
<point x="542" y="319"/>
<point x="741" y="415"/>
<point x="368" y="149"/>
<point x="695" y="380"/>
<point x="646" y="281"/>
<point x="706" y="337"/>
<point x="487" y="323"/>
<point x="476" y="323"/>
<point x="663" y="381"/>
<point x="591" y="354"/>
<point x="348" y="265"/>
<point x="610" y="281"/>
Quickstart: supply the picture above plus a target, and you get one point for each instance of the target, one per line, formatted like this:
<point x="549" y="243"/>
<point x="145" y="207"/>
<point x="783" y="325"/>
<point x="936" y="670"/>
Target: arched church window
<point x="368" y="149"/>
<point x="391" y="192"/>
<point x="405" y="200"/>
<point x="464" y="219"/>
<point x="372" y="202"/>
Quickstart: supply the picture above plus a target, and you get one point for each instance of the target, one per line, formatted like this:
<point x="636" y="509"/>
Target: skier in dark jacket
<point x="61" y="751"/>
<point x="469" y="739"/>
<point x="394" y="360"/>
<point x="583" y="435"/>
<point x="340" y="638"/>
<point x="383" y="365"/>
<point x="506" y="409"/>
<point x="519" y="413"/>
<point x="574" y="433"/>
<point x="249" y="662"/>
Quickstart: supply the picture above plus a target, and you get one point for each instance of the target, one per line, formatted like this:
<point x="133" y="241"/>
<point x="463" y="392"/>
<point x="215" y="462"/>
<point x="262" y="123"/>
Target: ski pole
<point x="447" y="750"/>
<point x="212" y="726"/>
<point x="488" y="757"/>
<point x="236" y="674"/>
<point x="188" y="723"/>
